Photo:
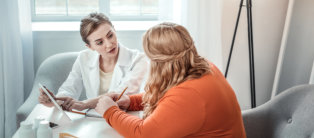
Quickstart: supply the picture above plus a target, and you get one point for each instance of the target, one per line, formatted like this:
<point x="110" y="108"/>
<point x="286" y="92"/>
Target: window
<point x="74" y="10"/>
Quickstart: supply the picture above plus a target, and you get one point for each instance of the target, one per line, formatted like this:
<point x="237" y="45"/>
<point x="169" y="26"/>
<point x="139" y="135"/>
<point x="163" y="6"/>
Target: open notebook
<point x="92" y="113"/>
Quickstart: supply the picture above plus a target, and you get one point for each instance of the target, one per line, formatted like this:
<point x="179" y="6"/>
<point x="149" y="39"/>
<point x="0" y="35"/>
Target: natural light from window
<point x="65" y="15"/>
<point x="75" y="9"/>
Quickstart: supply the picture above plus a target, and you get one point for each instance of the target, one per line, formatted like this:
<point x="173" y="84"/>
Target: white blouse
<point x="105" y="80"/>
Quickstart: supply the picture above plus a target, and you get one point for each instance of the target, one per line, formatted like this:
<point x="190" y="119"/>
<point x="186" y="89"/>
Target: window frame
<point x="103" y="9"/>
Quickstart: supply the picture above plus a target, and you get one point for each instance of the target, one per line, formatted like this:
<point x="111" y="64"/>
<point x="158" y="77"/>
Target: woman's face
<point x="104" y="41"/>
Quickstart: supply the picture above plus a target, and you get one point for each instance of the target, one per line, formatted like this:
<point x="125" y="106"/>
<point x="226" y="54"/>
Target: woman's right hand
<point x="44" y="99"/>
<point x="123" y="102"/>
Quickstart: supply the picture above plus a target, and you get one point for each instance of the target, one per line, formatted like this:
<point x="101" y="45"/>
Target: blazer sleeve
<point x="135" y="77"/>
<point x="177" y="115"/>
<point x="73" y="85"/>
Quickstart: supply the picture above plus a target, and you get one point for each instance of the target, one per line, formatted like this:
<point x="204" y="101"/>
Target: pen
<point x="121" y="94"/>
<point x="116" y="100"/>
<point x="78" y="112"/>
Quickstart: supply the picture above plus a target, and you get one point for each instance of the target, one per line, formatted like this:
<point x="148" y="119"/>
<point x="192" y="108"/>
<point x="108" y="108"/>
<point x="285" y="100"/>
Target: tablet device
<point x="54" y="102"/>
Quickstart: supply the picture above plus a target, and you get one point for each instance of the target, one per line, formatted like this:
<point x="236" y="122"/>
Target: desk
<point x="81" y="126"/>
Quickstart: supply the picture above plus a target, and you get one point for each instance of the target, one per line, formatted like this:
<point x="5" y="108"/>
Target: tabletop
<point x="80" y="126"/>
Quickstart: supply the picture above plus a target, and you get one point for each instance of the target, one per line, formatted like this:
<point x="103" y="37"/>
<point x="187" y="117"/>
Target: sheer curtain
<point x="25" y="23"/>
<point x="15" y="50"/>
<point x="203" y="20"/>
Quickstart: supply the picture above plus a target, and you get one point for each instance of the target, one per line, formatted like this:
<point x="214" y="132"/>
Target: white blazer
<point x="130" y="71"/>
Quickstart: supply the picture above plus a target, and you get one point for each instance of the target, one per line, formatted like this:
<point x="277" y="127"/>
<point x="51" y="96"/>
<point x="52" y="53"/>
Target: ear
<point x="87" y="45"/>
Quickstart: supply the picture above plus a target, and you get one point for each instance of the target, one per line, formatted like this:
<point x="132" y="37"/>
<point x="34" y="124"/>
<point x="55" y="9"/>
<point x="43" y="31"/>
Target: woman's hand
<point x="104" y="103"/>
<point x="123" y="102"/>
<point x="91" y="103"/>
<point x="44" y="99"/>
<point x="70" y="103"/>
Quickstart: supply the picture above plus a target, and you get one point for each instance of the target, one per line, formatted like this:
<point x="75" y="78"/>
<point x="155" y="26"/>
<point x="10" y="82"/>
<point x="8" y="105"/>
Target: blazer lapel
<point x="93" y="75"/>
<point x="122" y="63"/>
<point x="116" y="77"/>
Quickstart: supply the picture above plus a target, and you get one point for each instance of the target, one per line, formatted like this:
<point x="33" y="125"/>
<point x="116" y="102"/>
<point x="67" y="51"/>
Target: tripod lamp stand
<point x="250" y="44"/>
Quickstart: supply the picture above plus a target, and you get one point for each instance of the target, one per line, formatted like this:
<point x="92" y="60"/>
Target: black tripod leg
<point x="251" y="52"/>
<point x="233" y="39"/>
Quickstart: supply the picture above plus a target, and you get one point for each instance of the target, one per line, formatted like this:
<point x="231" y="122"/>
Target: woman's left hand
<point x="104" y="103"/>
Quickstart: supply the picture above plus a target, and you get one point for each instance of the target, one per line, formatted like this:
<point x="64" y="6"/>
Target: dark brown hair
<point x="90" y="23"/>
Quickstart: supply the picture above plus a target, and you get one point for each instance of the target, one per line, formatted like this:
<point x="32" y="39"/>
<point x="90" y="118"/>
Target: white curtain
<point x="203" y="20"/>
<point x="15" y="48"/>
<point x="27" y="44"/>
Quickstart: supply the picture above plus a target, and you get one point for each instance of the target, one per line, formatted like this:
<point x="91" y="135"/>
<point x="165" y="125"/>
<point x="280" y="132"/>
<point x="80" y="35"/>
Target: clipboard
<point x="64" y="117"/>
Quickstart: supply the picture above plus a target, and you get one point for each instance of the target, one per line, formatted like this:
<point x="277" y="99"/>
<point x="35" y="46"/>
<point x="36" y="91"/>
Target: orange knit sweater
<point x="203" y="108"/>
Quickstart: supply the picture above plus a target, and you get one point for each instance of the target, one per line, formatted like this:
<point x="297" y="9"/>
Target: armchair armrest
<point x="255" y="121"/>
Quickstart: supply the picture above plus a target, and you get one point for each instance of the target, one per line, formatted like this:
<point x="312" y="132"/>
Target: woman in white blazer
<point x="106" y="66"/>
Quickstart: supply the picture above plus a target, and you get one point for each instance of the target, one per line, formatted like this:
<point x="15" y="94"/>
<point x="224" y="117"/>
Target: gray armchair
<point x="288" y="115"/>
<point x="51" y="73"/>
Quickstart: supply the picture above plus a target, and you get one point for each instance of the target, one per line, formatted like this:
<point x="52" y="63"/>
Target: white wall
<point x="268" y="22"/>
<point x="299" y="53"/>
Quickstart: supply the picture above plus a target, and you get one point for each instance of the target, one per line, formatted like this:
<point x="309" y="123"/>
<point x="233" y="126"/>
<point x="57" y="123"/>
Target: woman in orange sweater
<point x="186" y="96"/>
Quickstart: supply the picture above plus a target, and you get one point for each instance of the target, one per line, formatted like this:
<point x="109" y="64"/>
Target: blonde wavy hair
<point x="174" y="59"/>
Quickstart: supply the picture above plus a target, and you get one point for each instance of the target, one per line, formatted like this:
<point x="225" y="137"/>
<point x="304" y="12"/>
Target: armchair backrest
<point x="289" y="115"/>
<point x="54" y="71"/>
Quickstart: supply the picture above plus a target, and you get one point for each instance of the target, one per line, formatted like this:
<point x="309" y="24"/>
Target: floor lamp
<point x="250" y="44"/>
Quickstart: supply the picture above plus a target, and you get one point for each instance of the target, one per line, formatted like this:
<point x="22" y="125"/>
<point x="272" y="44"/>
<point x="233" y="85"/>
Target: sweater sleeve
<point x="136" y="102"/>
<point x="178" y="114"/>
